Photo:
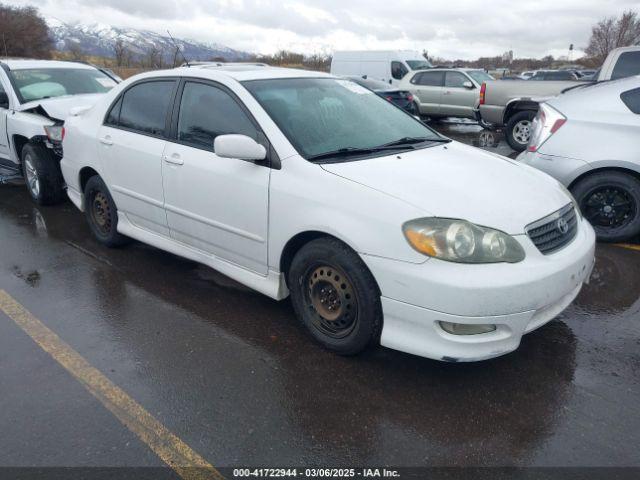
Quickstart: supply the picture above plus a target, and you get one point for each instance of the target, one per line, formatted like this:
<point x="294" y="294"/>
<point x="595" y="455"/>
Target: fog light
<point x="466" y="329"/>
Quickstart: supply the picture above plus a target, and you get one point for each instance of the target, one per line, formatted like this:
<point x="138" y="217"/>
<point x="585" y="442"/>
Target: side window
<point x="398" y="70"/>
<point x="455" y="80"/>
<point x="2" y="90"/>
<point x="631" y="99"/>
<point x="628" y="64"/>
<point x="206" y="112"/>
<point x="145" y="107"/>
<point x="113" y="118"/>
<point x="431" y="79"/>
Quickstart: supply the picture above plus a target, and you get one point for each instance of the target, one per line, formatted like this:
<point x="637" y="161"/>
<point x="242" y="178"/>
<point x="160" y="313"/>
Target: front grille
<point x="554" y="231"/>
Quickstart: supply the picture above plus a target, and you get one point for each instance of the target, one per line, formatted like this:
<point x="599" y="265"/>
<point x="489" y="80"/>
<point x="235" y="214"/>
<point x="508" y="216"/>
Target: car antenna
<point x="175" y="44"/>
<point x="4" y="42"/>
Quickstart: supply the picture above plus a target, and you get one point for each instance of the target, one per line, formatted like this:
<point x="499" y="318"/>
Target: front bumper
<point x="563" y="169"/>
<point x="517" y="298"/>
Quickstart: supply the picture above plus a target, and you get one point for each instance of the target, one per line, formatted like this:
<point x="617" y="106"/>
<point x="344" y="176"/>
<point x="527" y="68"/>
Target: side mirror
<point x="240" y="147"/>
<point x="4" y="100"/>
<point x="468" y="85"/>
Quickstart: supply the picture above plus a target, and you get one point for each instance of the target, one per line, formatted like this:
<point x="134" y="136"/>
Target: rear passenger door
<point x="458" y="100"/>
<point x="427" y="86"/>
<point x="216" y="205"/>
<point x="132" y="141"/>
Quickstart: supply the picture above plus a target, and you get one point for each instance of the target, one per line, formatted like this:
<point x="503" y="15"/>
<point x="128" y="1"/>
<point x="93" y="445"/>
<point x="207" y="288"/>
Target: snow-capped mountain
<point x="99" y="39"/>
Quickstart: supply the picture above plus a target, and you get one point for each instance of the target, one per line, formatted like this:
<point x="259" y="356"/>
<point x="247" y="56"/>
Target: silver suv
<point x="446" y="92"/>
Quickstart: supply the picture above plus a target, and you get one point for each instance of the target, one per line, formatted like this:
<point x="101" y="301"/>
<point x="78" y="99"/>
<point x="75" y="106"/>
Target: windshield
<point x="40" y="83"/>
<point x="479" y="76"/>
<point x="322" y="115"/>
<point x="419" y="64"/>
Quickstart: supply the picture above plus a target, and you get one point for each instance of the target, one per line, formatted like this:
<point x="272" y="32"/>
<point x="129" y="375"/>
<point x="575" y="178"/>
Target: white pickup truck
<point x="514" y="104"/>
<point x="36" y="97"/>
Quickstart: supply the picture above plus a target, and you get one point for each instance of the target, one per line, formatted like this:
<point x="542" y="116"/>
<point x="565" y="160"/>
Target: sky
<point x="459" y="29"/>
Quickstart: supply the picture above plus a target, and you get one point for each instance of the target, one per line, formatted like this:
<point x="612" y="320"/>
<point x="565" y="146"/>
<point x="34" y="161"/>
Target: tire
<point x="326" y="274"/>
<point x="518" y="130"/>
<point x="42" y="175"/>
<point x="102" y="214"/>
<point x="610" y="201"/>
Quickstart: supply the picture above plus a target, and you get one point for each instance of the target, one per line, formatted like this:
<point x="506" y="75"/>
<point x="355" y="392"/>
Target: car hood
<point x="58" y="108"/>
<point x="458" y="181"/>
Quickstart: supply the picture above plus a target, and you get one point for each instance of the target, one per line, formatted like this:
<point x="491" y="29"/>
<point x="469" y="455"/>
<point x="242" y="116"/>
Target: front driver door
<point x="217" y="205"/>
<point x="458" y="100"/>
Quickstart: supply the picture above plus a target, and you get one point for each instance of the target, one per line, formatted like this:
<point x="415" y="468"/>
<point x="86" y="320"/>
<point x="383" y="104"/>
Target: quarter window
<point x="398" y="70"/>
<point x="631" y="99"/>
<point x="145" y="107"/>
<point x="628" y="64"/>
<point x="429" y="79"/>
<point x="455" y="80"/>
<point x="114" y="114"/>
<point x="206" y="112"/>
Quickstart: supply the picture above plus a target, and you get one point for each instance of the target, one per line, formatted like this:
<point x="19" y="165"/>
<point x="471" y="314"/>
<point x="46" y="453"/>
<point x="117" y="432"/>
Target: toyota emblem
<point x="562" y="226"/>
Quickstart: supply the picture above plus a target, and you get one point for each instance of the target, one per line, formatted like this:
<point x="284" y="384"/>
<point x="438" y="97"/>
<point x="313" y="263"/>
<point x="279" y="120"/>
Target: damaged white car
<point x="35" y="99"/>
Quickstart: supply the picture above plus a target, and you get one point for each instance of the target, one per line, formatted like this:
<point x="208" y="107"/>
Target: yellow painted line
<point x="628" y="246"/>
<point x="173" y="451"/>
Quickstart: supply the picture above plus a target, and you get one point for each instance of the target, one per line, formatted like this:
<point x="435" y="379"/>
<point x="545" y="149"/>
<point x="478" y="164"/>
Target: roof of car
<point x="239" y="73"/>
<point x="454" y="69"/>
<point x="22" y="64"/>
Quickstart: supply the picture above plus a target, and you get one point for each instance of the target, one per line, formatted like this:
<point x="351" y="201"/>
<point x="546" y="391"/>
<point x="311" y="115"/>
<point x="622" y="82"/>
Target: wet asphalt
<point x="233" y="375"/>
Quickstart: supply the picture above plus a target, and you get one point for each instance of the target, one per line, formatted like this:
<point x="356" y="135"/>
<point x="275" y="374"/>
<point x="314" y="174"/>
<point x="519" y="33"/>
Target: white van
<point x="389" y="66"/>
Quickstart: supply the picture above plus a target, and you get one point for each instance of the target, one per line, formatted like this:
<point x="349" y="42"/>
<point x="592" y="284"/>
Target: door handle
<point x="174" y="159"/>
<point x="106" y="141"/>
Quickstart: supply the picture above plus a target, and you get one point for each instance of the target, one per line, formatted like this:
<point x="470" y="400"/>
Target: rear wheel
<point x="42" y="175"/>
<point x="610" y="201"/>
<point x="102" y="213"/>
<point x="518" y="130"/>
<point x="335" y="296"/>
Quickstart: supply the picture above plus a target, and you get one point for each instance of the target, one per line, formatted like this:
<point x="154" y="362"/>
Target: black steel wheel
<point x="102" y="213"/>
<point x="331" y="300"/>
<point x="610" y="201"/>
<point x="335" y="296"/>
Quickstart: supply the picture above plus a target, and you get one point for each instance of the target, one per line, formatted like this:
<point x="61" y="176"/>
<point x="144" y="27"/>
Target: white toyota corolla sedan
<point x="299" y="183"/>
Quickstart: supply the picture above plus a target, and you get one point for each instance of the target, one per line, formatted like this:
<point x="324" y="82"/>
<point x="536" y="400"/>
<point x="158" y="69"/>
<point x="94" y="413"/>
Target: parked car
<point x="389" y="66"/>
<point x="446" y="92"/>
<point x="554" y="75"/>
<point x="594" y="155"/>
<point x="299" y="183"/>
<point x="527" y="75"/>
<point x="402" y="98"/>
<point x="35" y="99"/>
<point x="588" y="74"/>
<point x="515" y="104"/>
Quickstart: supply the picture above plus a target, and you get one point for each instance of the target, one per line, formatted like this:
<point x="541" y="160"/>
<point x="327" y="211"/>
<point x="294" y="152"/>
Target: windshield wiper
<point x="414" y="140"/>
<point x="353" y="151"/>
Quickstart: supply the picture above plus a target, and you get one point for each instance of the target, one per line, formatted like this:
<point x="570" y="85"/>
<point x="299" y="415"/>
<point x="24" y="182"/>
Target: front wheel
<point x="42" y="175"/>
<point x="518" y="130"/>
<point x="610" y="201"/>
<point x="335" y="296"/>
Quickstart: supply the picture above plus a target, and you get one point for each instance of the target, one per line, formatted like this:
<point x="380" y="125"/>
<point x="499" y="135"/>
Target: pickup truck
<point x="514" y="105"/>
<point x="36" y="96"/>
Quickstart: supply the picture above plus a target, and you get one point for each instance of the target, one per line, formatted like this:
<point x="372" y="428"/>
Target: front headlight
<point x="461" y="241"/>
